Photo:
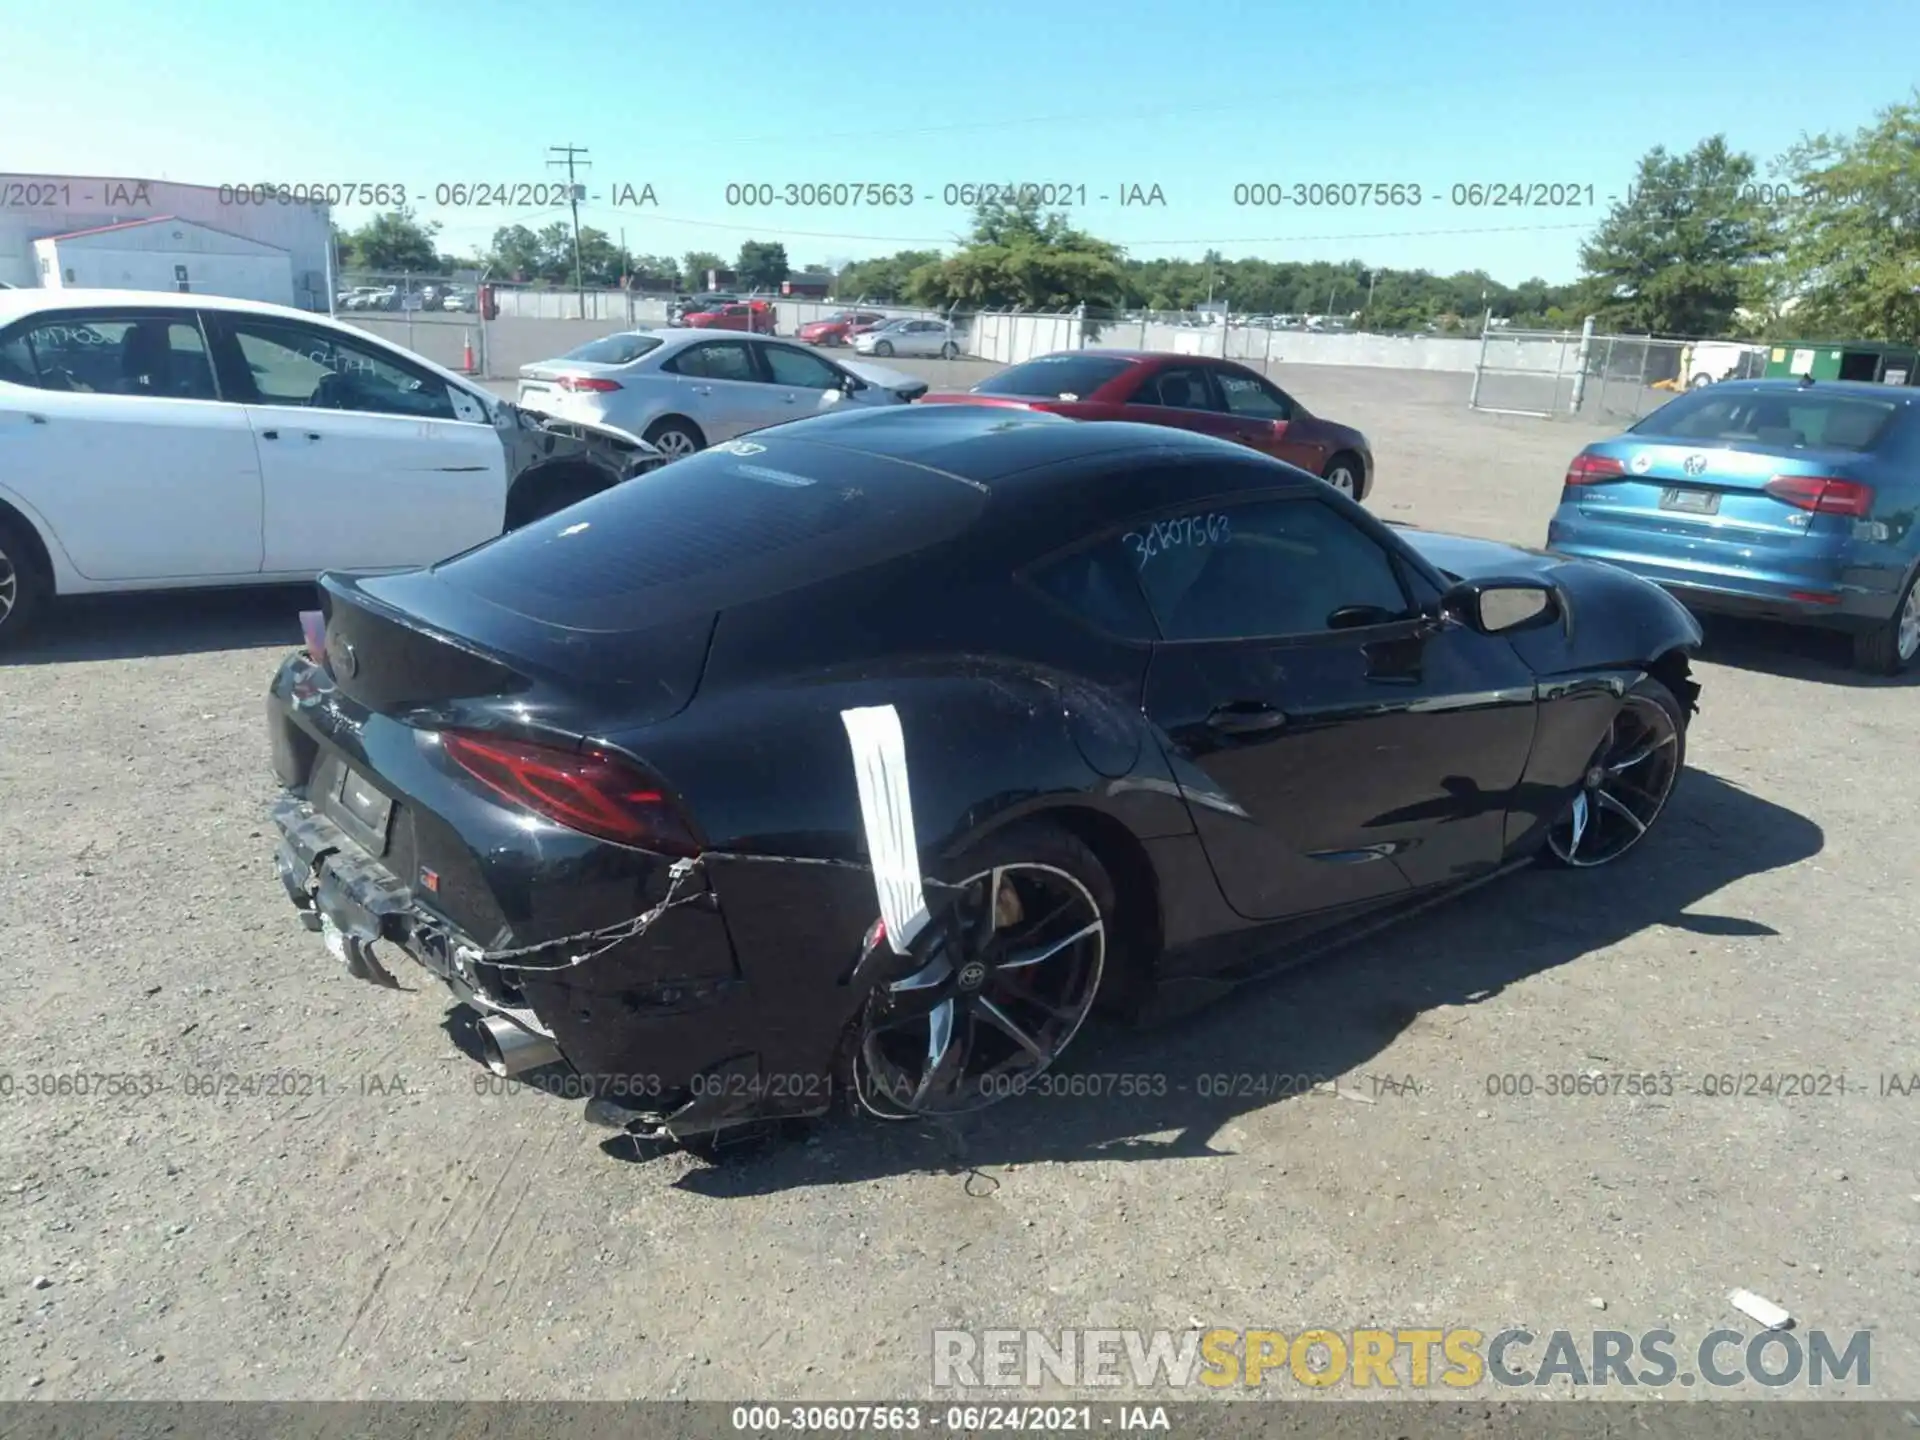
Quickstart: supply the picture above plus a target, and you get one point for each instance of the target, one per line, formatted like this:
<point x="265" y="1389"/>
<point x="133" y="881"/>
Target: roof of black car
<point x="983" y="444"/>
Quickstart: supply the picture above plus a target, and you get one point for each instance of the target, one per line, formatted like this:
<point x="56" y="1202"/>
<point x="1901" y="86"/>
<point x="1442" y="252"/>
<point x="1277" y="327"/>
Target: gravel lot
<point x="402" y="1236"/>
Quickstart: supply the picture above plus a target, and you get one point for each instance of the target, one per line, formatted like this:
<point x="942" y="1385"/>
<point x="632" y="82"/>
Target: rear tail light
<point x="313" y="627"/>
<point x="594" y="793"/>
<point x="1589" y="469"/>
<point x="1823" y="494"/>
<point x="587" y="382"/>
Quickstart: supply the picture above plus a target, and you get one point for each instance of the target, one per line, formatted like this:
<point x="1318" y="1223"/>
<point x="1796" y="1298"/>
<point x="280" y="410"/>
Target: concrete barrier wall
<point x="505" y="344"/>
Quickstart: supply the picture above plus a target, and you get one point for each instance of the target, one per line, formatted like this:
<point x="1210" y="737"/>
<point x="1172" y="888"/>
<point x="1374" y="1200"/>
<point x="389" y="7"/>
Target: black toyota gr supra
<point x="862" y="757"/>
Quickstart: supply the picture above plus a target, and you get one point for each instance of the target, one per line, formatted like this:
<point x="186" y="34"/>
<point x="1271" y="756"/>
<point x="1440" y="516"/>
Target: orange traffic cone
<point x="466" y="355"/>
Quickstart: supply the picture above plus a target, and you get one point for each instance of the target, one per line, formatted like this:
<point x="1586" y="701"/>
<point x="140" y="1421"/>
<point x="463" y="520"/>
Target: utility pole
<point x="570" y="158"/>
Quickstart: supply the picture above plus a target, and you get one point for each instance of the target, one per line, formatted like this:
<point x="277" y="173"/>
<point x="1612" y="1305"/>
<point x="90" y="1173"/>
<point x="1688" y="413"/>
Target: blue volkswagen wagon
<point x="1789" y="500"/>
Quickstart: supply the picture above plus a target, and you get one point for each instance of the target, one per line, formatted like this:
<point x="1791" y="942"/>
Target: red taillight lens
<point x="587" y="382"/>
<point x="313" y="627"/>
<point x="587" y="791"/>
<point x="1589" y="469"/>
<point x="1823" y="494"/>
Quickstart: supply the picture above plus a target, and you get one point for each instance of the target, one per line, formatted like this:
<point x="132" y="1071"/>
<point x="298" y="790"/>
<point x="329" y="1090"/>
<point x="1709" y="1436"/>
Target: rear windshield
<point x="614" y="349"/>
<point x="1787" y="419"/>
<point x="733" y="523"/>
<point x="1054" y="377"/>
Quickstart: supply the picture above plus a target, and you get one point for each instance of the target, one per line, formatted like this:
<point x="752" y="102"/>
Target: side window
<point x="1250" y="396"/>
<point x="1277" y="567"/>
<point x="719" y="360"/>
<point x="793" y="367"/>
<point x="1100" y="585"/>
<point x="16" y="360"/>
<point x="101" y="354"/>
<point x="295" y="365"/>
<point x="1180" y="387"/>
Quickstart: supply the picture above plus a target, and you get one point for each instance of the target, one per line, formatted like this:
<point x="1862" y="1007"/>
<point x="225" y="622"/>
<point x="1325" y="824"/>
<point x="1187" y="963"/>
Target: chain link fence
<point x="1601" y="378"/>
<point x="489" y="329"/>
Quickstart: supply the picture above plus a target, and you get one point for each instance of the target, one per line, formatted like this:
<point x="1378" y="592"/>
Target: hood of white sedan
<point x="883" y="377"/>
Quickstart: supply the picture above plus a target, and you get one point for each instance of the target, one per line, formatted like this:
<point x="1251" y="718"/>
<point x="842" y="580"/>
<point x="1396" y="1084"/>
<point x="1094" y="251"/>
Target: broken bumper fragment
<point x="656" y="1020"/>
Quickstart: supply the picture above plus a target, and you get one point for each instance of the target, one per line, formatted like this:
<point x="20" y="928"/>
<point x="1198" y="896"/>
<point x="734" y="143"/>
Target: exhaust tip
<point x="509" y="1050"/>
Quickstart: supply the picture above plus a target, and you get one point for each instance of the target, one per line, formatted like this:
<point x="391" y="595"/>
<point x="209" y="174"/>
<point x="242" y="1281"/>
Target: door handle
<point x="1246" y="718"/>
<point x="269" y="434"/>
<point x="703" y="389"/>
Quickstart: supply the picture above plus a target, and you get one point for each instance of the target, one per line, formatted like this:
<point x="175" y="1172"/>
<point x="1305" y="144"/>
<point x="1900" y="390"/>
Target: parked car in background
<point x="1188" y="392"/>
<point x="909" y="337"/>
<point x="833" y="330"/>
<point x="754" y="316"/>
<point x="951" y="725"/>
<point x="154" y="440"/>
<point x="1780" y="499"/>
<point x="699" y="305"/>
<point x="683" y="390"/>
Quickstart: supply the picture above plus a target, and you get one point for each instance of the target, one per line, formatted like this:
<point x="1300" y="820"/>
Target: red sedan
<point x="755" y="316"/>
<point x="835" y="329"/>
<point x="1190" y="392"/>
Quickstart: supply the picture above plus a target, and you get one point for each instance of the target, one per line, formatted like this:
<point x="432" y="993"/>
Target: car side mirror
<point x="1500" y="606"/>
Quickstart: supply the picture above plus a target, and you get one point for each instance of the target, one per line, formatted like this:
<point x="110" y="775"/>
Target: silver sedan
<point x="682" y="390"/>
<point x="910" y="337"/>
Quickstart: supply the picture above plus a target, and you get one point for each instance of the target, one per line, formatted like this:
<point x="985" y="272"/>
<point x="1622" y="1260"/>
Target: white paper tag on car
<point x="336" y="941"/>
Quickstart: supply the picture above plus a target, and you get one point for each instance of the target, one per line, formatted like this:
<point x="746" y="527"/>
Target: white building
<point x="166" y="253"/>
<point x="39" y="207"/>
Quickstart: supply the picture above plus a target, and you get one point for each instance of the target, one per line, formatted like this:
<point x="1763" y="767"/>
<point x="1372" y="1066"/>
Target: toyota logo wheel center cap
<point x="972" y="976"/>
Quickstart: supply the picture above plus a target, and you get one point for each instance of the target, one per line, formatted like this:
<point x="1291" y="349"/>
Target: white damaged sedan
<point x="683" y="390"/>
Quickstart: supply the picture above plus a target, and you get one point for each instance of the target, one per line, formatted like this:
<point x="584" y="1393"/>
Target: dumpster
<point x="1871" y="360"/>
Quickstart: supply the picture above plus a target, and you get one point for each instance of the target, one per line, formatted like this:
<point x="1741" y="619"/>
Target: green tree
<point x="762" y="264"/>
<point x="395" y="243"/>
<point x="1019" y="258"/>
<point x="884" y="278"/>
<point x="601" y="261"/>
<point x="1850" y="261"/>
<point x="694" y="266"/>
<point x="658" y="272"/>
<point x="1682" y="249"/>
<point x="515" y="253"/>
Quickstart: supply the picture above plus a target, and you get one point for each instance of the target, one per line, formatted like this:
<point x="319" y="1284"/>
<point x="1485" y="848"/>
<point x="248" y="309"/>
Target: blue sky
<point x="1194" y="99"/>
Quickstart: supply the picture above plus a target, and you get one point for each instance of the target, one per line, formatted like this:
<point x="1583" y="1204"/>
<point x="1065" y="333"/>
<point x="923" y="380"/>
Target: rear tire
<point x="1890" y="647"/>
<point x="1701" y="381"/>
<point x="24" y="584"/>
<point x="1039" y="969"/>
<point x="950" y="351"/>
<point x="676" y="439"/>
<point x="1344" y="473"/>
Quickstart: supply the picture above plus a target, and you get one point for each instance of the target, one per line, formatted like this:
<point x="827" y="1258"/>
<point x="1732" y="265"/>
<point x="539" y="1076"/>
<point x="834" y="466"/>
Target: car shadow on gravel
<point x="1328" y="1020"/>
<point x="1792" y="652"/>
<point x="184" y="622"/>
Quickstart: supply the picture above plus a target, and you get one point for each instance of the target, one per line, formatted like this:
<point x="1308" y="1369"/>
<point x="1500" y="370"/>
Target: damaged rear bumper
<point x="659" y="1052"/>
